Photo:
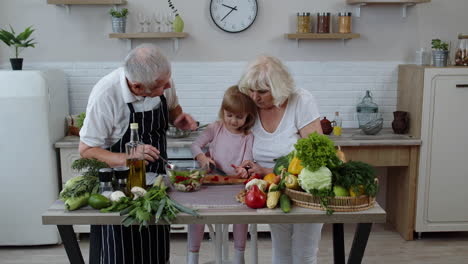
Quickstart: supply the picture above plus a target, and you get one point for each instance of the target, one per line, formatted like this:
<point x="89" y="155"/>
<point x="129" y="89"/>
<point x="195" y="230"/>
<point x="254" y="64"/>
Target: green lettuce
<point x="316" y="151"/>
<point x="320" y="179"/>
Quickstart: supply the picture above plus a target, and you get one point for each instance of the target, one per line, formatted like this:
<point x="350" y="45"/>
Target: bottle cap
<point x="134" y="126"/>
<point x="105" y="174"/>
<point x="121" y="172"/>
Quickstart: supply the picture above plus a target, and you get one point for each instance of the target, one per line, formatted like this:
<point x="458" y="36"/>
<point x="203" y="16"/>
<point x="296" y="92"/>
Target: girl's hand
<point x="240" y="171"/>
<point x="252" y="168"/>
<point x="204" y="161"/>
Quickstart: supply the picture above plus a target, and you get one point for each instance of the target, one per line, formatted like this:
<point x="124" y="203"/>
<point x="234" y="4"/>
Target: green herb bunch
<point x="316" y="151"/>
<point x="88" y="167"/>
<point x="437" y="44"/>
<point x="118" y="13"/>
<point x="20" y="41"/>
<point x="80" y="119"/>
<point x="355" y="173"/>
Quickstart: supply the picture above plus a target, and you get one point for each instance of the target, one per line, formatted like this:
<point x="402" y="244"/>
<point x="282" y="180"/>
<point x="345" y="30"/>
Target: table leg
<point x="338" y="244"/>
<point x="253" y="243"/>
<point x="71" y="244"/>
<point x="225" y="242"/>
<point x="218" y="243"/>
<point x="361" y="236"/>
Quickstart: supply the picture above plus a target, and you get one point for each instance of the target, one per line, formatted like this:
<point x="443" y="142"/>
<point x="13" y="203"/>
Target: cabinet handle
<point x="177" y="227"/>
<point x="462" y="85"/>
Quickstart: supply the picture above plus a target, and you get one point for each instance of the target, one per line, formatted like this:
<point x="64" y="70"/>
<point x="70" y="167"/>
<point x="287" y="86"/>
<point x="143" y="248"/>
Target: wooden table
<point x="214" y="208"/>
<point x="400" y="154"/>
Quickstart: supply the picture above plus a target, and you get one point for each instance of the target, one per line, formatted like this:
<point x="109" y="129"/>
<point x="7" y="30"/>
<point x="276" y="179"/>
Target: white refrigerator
<point x="33" y="107"/>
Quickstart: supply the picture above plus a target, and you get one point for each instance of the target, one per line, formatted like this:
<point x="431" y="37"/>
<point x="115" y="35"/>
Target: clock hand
<point x="235" y="8"/>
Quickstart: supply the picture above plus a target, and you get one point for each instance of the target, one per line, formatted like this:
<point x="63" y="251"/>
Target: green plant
<point x="437" y="44"/>
<point x="118" y="13"/>
<point x="22" y="40"/>
<point x="80" y="120"/>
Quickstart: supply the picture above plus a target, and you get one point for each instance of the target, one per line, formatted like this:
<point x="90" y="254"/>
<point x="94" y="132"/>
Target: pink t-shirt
<point x="225" y="148"/>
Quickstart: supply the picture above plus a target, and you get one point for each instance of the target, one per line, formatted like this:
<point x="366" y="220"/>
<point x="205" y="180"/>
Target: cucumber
<point x="285" y="203"/>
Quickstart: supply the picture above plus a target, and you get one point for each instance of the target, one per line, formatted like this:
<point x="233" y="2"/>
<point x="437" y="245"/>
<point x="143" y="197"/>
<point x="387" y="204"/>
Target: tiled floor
<point x="385" y="246"/>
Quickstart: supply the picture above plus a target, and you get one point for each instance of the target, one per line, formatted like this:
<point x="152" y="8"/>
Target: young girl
<point x="230" y="142"/>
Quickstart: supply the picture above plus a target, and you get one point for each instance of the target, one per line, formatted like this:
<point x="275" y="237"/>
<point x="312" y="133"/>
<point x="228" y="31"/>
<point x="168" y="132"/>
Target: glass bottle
<point x="135" y="159"/>
<point x="337" y="122"/>
<point x="105" y="182"/>
<point x="344" y="22"/>
<point x="366" y="110"/>
<point x="121" y="176"/>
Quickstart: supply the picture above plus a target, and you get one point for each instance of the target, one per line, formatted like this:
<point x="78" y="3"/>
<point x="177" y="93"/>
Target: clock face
<point x="233" y="16"/>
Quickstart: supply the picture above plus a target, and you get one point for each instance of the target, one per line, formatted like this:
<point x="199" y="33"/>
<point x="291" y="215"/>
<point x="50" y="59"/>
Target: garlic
<point x="138" y="192"/>
<point x="115" y="196"/>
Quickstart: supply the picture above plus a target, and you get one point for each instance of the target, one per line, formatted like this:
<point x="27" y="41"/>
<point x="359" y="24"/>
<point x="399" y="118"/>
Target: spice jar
<point x="303" y="23"/>
<point x="121" y="176"/>
<point x="344" y="22"/>
<point x="323" y="22"/>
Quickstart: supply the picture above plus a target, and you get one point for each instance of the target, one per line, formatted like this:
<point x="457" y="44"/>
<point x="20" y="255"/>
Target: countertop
<point x="350" y="137"/>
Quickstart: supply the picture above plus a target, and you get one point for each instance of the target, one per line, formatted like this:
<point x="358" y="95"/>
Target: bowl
<point x="175" y="132"/>
<point x="186" y="179"/>
<point x="372" y="127"/>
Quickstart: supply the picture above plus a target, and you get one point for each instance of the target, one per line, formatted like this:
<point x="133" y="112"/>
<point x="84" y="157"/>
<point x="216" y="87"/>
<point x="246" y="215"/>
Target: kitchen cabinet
<point x="436" y="99"/>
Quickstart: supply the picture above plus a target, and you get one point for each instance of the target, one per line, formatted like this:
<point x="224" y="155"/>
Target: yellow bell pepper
<point x="295" y="166"/>
<point x="291" y="182"/>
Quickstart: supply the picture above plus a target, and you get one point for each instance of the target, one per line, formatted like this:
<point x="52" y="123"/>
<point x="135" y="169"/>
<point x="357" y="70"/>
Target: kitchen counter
<point x="350" y="137"/>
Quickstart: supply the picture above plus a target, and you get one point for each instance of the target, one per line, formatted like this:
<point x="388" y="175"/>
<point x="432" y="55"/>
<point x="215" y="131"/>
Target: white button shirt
<point x="107" y="113"/>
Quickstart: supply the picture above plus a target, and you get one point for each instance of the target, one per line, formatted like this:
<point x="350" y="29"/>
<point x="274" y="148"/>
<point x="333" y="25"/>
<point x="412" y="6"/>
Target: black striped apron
<point x="116" y="244"/>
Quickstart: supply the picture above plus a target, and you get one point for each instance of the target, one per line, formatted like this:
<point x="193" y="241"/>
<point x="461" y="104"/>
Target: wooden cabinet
<point x="437" y="101"/>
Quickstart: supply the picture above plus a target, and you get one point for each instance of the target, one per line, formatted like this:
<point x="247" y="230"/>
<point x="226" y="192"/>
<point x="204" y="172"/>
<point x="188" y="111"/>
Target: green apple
<point x="340" y="191"/>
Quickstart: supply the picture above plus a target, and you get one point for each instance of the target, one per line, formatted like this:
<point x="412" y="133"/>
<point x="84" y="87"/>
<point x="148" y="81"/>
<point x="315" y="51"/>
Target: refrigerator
<point x="33" y="107"/>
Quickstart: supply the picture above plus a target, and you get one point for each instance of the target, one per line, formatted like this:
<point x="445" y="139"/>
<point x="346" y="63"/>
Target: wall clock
<point x="233" y="16"/>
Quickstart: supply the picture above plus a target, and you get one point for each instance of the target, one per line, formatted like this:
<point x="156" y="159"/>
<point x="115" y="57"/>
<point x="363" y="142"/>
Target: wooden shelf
<point x="385" y="2"/>
<point x="175" y="36"/>
<point x="87" y="2"/>
<point x="149" y="35"/>
<point x="322" y="36"/>
<point x="404" y="4"/>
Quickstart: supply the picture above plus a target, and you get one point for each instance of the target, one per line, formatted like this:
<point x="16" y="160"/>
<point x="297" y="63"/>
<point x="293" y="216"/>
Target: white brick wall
<point x="338" y="86"/>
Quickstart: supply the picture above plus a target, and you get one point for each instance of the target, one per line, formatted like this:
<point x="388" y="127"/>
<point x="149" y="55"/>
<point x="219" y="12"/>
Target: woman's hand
<point x="204" y="161"/>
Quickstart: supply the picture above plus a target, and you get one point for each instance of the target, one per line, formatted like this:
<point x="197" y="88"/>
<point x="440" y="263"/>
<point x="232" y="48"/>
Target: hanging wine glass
<point x="141" y="21"/>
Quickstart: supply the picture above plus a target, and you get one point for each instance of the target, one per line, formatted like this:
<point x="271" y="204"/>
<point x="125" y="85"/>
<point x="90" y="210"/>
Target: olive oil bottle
<point x="135" y="160"/>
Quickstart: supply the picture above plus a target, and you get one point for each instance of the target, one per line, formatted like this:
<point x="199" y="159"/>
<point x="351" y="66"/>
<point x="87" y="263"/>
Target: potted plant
<point x="19" y="42"/>
<point x="440" y="52"/>
<point x="119" y="19"/>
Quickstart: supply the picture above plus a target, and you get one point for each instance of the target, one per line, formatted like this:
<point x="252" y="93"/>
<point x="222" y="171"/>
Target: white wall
<point x="210" y="60"/>
<point x="82" y="35"/>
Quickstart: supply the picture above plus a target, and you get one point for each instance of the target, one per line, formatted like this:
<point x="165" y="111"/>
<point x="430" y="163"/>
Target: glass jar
<point x="367" y="110"/>
<point x="461" y="56"/>
<point x="323" y="22"/>
<point x="344" y="22"/>
<point x="303" y="23"/>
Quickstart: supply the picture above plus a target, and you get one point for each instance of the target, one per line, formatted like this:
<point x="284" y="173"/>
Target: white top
<point x="107" y="113"/>
<point x="301" y="110"/>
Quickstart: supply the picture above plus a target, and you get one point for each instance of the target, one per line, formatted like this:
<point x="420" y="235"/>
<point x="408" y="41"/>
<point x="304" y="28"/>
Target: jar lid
<point x="324" y="14"/>
<point x="121" y="172"/>
<point x="344" y="14"/>
<point x="105" y="174"/>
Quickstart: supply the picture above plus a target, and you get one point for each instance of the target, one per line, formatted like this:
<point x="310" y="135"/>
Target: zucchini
<point x="285" y="203"/>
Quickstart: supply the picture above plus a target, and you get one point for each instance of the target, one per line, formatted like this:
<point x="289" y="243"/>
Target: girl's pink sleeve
<point x="248" y="148"/>
<point x="206" y="137"/>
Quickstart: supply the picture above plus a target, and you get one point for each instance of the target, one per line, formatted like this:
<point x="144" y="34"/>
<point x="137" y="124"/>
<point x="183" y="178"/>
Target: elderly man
<point x="140" y="92"/>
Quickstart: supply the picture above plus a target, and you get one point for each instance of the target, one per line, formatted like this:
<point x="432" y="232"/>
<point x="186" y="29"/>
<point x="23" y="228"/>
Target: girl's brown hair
<point x="236" y="102"/>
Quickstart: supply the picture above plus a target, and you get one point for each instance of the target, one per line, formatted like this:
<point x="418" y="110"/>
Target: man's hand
<point x="185" y="122"/>
<point x="151" y="153"/>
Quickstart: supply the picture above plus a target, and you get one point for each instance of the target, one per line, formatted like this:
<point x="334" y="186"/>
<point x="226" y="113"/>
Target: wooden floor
<point x="385" y="246"/>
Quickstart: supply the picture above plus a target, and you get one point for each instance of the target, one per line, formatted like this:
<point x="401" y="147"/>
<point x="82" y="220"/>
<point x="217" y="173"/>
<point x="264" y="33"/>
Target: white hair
<point x="268" y="73"/>
<point x="145" y="64"/>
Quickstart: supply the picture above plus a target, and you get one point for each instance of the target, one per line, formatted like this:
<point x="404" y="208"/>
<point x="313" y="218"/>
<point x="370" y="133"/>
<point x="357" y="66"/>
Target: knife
<point x="217" y="170"/>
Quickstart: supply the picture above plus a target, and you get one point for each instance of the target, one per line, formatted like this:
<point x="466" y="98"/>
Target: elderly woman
<point x="285" y="114"/>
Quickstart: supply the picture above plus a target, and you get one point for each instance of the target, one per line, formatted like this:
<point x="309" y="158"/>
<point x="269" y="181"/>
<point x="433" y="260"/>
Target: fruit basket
<point x="186" y="179"/>
<point x="337" y="204"/>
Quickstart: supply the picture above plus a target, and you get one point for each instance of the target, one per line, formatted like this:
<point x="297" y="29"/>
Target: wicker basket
<point x="338" y="204"/>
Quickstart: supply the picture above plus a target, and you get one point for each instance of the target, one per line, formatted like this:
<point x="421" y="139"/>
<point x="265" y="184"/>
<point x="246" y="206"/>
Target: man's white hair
<point x="268" y="73"/>
<point x="145" y="64"/>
